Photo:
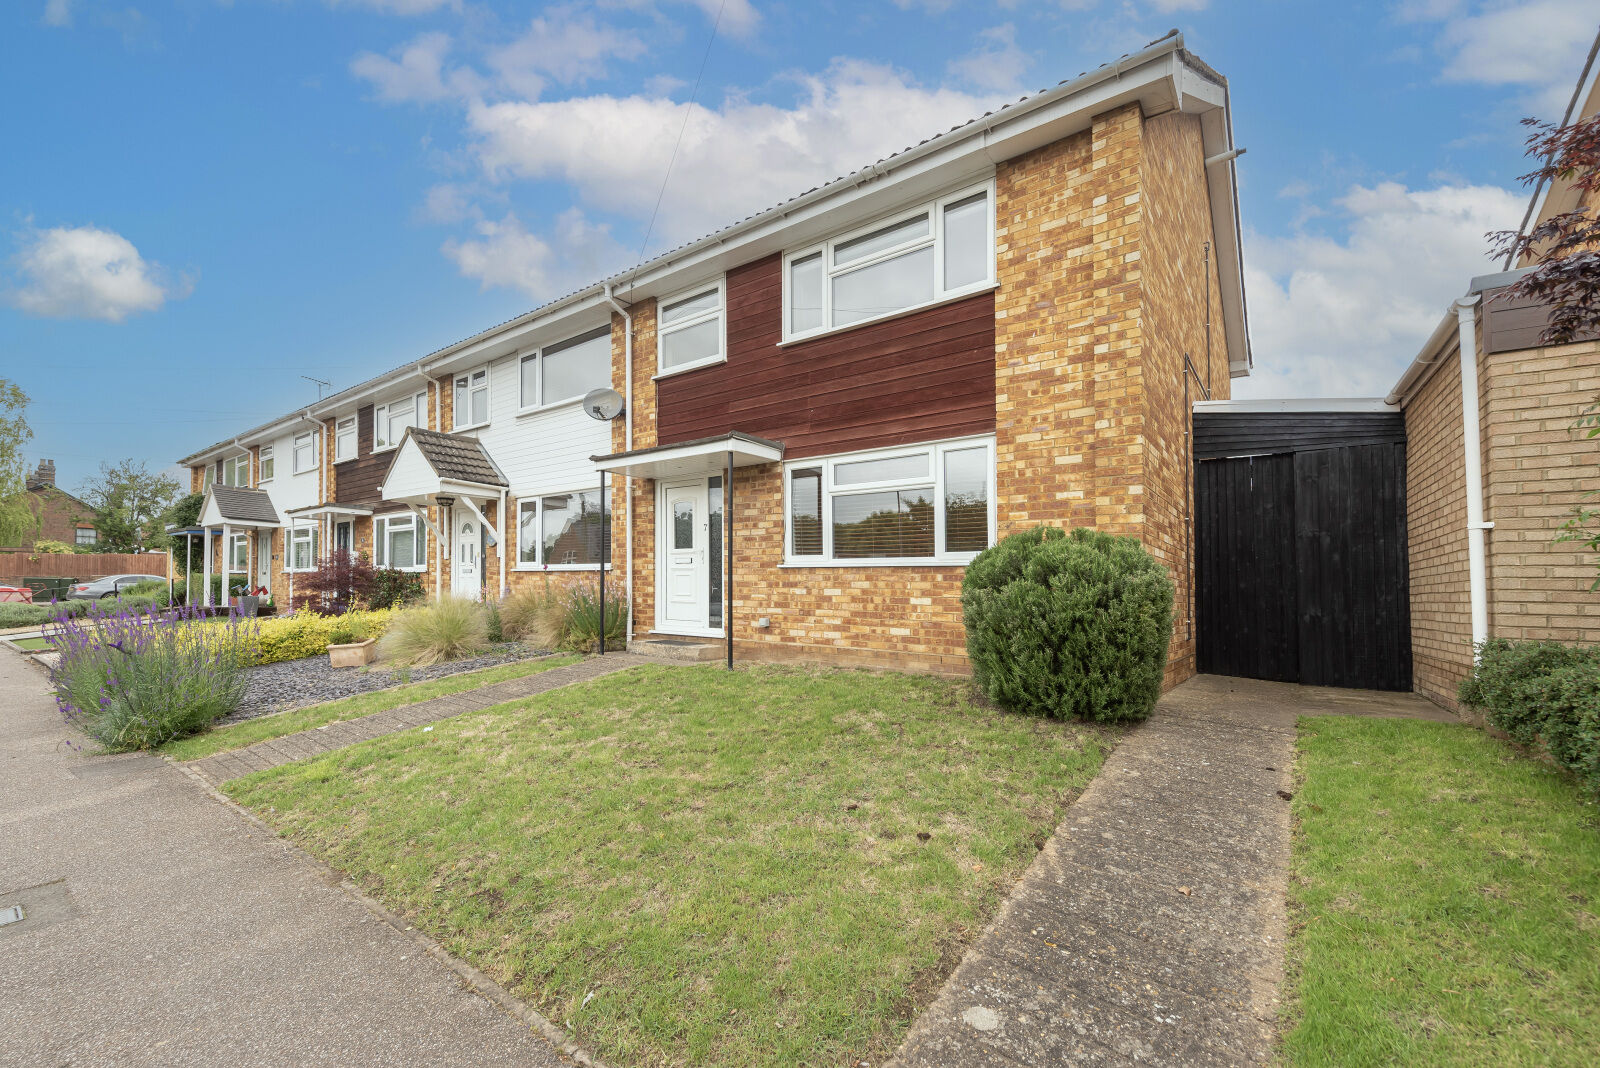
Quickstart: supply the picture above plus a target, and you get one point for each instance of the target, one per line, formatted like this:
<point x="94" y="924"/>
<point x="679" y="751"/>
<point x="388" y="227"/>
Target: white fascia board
<point x="1298" y="404"/>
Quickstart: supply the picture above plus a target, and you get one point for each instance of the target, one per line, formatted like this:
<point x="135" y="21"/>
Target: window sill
<point x="842" y="564"/>
<point x="376" y="449"/>
<point x="987" y="287"/>
<point x="540" y="409"/>
<point x="469" y="426"/>
<point x="697" y="365"/>
<point x="536" y="569"/>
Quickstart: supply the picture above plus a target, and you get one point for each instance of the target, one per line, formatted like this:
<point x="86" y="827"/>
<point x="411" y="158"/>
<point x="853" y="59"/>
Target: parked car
<point x="109" y="586"/>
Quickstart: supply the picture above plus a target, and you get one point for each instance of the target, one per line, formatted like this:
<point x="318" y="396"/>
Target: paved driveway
<point x="164" y="929"/>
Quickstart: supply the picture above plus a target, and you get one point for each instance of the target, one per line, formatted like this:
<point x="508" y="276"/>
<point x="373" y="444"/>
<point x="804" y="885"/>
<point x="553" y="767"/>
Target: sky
<point x="207" y="204"/>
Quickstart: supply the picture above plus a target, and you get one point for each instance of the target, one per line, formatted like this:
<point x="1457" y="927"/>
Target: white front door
<point x="467" y="580"/>
<point x="264" y="558"/>
<point x="682" y="549"/>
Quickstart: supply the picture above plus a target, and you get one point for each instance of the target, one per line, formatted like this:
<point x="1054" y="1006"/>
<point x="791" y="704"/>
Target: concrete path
<point x="1150" y="928"/>
<point x="269" y="754"/>
<point x="164" y="929"/>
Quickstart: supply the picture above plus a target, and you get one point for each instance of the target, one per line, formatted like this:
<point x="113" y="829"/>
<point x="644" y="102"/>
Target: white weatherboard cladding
<point x="410" y="475"/>
<point x="287" y="489"/>
<point x="548" y="449"/>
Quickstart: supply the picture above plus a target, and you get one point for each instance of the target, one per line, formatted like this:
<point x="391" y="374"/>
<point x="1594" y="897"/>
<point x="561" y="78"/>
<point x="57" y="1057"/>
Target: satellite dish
<point x="604" y="404"/>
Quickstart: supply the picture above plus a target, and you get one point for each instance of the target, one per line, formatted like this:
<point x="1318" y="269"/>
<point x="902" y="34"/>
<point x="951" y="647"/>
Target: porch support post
<point x="505" y="584"/>
<point x="727" y="568"/>
<point x="205" y="567"/>
<point x="602" y="563"/>
<point x="227" y="561"/>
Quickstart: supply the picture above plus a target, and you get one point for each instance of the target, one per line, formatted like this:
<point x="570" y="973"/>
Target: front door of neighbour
<point x="341" y="536"/>
<point x="264" y="559"/>
<point x="467" y="578"/>
<point x="683" y="551"/>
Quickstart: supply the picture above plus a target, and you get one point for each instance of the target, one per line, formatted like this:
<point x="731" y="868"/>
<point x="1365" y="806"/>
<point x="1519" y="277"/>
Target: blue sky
<point x="203" y="200"/>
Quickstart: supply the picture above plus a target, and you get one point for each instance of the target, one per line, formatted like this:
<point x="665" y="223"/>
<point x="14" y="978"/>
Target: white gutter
<point x="627" y="445"/>
<point x="1472" y="448"/>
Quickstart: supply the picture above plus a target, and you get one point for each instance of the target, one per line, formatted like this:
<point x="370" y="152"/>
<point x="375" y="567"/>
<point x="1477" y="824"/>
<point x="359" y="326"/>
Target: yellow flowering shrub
<point x="307" y="634"/>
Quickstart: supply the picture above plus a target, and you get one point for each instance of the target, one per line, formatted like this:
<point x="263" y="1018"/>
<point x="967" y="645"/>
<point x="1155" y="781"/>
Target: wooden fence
<point x="20" y="565"/>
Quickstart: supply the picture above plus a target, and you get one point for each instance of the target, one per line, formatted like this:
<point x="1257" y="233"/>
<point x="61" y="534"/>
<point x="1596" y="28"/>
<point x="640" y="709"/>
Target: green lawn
<point x="773" y="866"/>
<point x="1444" y="902"/>
<point x="251" y="731"/>
<point x="31" y="644"/>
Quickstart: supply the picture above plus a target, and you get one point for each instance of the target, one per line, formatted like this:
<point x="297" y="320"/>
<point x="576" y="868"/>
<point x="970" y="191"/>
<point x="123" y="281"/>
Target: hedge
<point x="1068" y="624"/>
<point x="307" y="634"/>
<point x="1544" y="695"/>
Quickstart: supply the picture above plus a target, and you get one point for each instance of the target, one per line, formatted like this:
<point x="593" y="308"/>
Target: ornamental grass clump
<point x="1068" y="624"/>
<point x="136" y="679"/>
<point x="567" y="619"/>
<point x="450" y="628"/>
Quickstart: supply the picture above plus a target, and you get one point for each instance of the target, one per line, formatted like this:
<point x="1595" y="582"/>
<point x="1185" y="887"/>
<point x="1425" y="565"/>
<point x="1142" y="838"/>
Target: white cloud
<point x="398" y="7"/>
<point x="1344" y="317"/>
<point x="1166" y="7"/>
<point x="736" y="158"/>
<point x="565" y="45"/>
<point x="57" y="13"/>
<point x="87" y="273"/>
<point x="738" y="17"/>
<point x="416" y="73"/>
<point x="507" y="254"/>
<point x="1539" y="44"/>
<point x="997" y="63"/>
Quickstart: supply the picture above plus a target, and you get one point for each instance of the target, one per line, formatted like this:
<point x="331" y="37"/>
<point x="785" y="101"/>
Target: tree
<point x="184" y="513"/>
<point x="131" y="502"/>
<point x="18" y="524"/>
<point x="1566" y="246"/>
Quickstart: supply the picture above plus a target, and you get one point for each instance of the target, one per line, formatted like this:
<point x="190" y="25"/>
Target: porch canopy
<point x="227" y="509"/>
<point x="328" y="508"/>
<point x="688" y="459"/>
<point x="448" y="471"/>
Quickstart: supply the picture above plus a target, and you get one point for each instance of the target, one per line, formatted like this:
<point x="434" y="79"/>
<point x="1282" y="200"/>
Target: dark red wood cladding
<point x="357" y="481"/>
<point x="918" y="377"/>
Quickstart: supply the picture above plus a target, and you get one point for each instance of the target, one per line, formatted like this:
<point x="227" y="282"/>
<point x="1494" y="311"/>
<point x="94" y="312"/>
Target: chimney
<point x="45" y="476"/>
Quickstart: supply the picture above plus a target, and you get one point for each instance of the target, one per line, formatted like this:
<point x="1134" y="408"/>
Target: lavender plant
<point x="135" y="679"/>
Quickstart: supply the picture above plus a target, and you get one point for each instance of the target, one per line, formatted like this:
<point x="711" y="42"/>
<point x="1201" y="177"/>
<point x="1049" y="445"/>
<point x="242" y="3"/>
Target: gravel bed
<point x="298" y="683"/>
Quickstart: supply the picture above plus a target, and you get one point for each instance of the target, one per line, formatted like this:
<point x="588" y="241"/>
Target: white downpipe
<point x="1472" y="448"/>
<point x="627" y="446"/>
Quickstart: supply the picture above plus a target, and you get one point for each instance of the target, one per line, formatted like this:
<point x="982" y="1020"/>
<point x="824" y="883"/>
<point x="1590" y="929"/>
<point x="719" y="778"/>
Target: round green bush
<point x="1069" y="624"/>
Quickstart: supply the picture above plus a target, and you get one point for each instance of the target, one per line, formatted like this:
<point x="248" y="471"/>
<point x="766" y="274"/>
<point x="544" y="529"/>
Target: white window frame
<point x="488" y="398"/>
<point x="266" y="466"/>
<point x="538" y="403"/>
<point x="231" y="475"/>
<point x="208" y="477"/>
<point x="311" y="532"/>
<point x="380" y="540"/>
<point x="343" y="430"/>
<point x="720" y="284"/>
<point x="936" y="451"/>
<point x="294" y="452"/>
<point x="537" y="500"/>
<point x="380" y="418"/>
<point x="238" y="545"/>
<point x="78" y="536"/>
<point x="936" y="238"/>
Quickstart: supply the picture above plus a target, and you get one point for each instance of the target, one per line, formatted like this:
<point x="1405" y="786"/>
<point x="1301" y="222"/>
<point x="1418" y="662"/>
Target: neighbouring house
<point x="61" y="516"/>
<point x="828" y="408"/>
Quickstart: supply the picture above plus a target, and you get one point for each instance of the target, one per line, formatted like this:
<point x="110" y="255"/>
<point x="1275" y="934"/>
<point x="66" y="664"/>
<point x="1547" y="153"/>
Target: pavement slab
<point x="163" y="928"/>
<point x="1150" y="928"/>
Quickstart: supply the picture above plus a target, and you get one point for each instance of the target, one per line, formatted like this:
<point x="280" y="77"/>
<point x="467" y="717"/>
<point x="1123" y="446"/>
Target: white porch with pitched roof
<point x="452" y="473"/>
<point x="226" y="509"/>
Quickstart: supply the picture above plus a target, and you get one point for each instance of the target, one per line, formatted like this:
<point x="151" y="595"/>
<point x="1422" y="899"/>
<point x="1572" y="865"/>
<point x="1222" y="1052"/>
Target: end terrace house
<point x="828" y="408"/>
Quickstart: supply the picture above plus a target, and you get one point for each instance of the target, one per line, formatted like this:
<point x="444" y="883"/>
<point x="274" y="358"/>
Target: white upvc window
<point x="302" y="554"/>
<point x="305" y="452"/>
<point x="238" y="552"/>
<point x="566" y="370"/>
<point x="471" y="406"/>
<point x="931" y="503"/>
<point x="208" y="477"/>
<point x="562" y="531"/>
<point x="928" y="254"/>
<point x="265" y="463"/>
<point x="236" y="471"/>
<point x="691" y="329"/>
<point x="389" y="421"/>
<point x="344" y="440"/>
<point x="397" y="542"/>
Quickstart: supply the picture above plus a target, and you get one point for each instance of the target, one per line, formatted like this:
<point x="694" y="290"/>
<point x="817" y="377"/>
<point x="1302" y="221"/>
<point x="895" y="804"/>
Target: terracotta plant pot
<point x="353" y="655"/>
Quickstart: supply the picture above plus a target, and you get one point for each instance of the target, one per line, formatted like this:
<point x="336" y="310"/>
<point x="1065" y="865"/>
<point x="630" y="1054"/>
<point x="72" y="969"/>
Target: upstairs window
<point x="566" y="370"/>
<point x="471" y="399"/>
<point x="689" y="331"/>
<point x="305" y="452"/>
<point x="932" y="253"/>
<point x="236" y="471"/>
<point x="923" y="504"/>
<point x="208" y="477"/>
<point x="344" y="440"/>
<point x="389" y="421"/>
<point x="265" y="464"/>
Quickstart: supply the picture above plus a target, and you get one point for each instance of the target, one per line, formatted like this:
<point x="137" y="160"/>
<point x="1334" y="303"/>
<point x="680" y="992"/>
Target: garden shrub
<point x="306" y="633"/>
<point x="566" y="619"/>
<point x="449" y="628"/>
<point x="1544" y="695"/>
<point x="14" y="614"/>
<point x="521" y="615"/>
<point x="392" y="588"/>
<point x="496" y="630"/>
<point x="1069" y="624"/>
<point x="342" y="580"/>
<point x="134" y="680"/>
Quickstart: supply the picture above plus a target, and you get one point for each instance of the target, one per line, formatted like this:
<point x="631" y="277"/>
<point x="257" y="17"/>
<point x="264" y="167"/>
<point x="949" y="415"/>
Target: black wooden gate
<point x="1300" y="548"/>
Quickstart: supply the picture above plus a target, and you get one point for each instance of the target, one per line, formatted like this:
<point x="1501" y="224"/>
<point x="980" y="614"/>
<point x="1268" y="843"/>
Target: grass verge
<point x="684" y="865"/>
<point x="1443" y="902"/>
<point x="280" y="724"/>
